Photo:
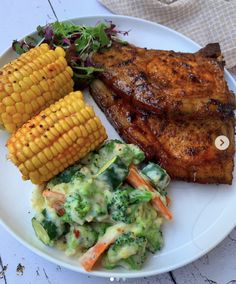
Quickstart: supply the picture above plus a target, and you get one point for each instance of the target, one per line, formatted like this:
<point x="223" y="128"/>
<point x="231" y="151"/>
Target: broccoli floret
<point x="147" y="224"/>
<point x="138" y="154"/>
<point x="123" y="201"/>
<point x="66" y="176"/>
<point x="76" y="208"/>
<point x="100" y="228"/>
<point x="87" y="203"/>
<point x="138" y="196"/>
<point x="128" y="153"/>
<point x="118" y="207"/>
<point x="80" y="238"/>
<point x="128" y="251"/>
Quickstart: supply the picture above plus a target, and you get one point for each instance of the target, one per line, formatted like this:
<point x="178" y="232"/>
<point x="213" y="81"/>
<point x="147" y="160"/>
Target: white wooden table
<point x="18" y="18"/>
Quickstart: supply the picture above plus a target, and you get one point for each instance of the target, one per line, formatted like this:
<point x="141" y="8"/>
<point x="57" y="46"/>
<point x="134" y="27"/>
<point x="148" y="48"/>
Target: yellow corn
<point x="57" y="137"/>
<point x="32" y="82"/>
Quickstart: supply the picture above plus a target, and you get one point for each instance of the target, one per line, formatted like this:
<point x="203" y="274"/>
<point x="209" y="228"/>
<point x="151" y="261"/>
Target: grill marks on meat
<point x="168" y="83"/>
<point x="185" y="148"/>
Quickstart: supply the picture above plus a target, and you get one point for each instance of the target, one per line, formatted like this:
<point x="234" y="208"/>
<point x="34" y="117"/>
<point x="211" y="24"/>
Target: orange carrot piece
<point x="91" y="256"/>
<point x="136" y="180"/>
<point x="160" y="206"/>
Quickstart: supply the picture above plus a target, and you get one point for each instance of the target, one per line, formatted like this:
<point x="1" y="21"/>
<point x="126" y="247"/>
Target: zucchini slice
<point x="157" y="175"/>
<point x="46" y="231"/>
<point x="113" y="172"/>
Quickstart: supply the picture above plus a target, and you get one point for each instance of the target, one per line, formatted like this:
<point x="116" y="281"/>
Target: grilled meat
<point x="169" y="83"/>
<point x="185" y="148"/>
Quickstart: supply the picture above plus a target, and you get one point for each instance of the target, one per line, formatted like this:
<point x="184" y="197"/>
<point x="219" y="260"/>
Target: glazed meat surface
<point x="169" y="83"/>
<point x="185" y="148"/>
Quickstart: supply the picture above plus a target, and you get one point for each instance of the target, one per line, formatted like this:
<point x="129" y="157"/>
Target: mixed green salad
<point x="107" y="207"/>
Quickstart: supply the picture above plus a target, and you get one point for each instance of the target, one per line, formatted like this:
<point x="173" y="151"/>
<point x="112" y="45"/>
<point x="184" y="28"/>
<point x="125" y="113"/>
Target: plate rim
<point x="126" y="274"/>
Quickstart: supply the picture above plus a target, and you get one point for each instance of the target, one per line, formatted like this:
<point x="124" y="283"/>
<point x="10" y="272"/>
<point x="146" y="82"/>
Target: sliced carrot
<point x="136" y="180"/>
<point x="91" y="256"/>
<point x="160" y="206"/>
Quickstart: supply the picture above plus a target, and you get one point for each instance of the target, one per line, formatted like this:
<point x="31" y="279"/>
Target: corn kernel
<point x="34" y="147"/>
<point x="36" y="162"/>
<point x="60" y="51"/>
<point x="44" y="85"/>
<point x="16" y="97"/>
<point x="11" y="110"/>
<point x="34" y="176"/>
<point x="16" y="87"/>
<point x="43" y="170"/>
<point x="8" y="88"/>
<point x="42" y="157"/>
<point x="17" y="118"/>
<point x="29" y="166"/>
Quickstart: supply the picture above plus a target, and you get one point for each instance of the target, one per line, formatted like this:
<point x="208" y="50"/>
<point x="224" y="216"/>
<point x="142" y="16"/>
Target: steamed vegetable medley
<point x="105" y="208"/>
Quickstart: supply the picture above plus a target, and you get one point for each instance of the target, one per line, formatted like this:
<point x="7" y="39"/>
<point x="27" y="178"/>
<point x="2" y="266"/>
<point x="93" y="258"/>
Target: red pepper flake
<point x="76" y="233"/>
<point x="61" y="211"/>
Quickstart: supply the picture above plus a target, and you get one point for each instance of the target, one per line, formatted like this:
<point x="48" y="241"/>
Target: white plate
<point x="203" y="214"/>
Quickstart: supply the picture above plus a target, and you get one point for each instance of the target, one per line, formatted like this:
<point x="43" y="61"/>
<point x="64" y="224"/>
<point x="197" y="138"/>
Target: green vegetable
<point x="138" y="196"/>
<point x="92" y="38"/>
<point x="48" y="228"/>
<point x="60" y="29"/>
<point x="86" y="203"/>
<point x="67" y="175"/>
<point x="45" y="235"/>
<point x="99" y="206"/>
<point x="128" y="153"/>
<point x="100" y="228"/>
<point x="138" y="154"/>
<point x="147" y="224"/>
<point x="128" y="251"/>
<point x="80" y="238"/>
<point x="76" y="208"/>
<point x="122" y="204"/>
<point x="18" y="47"/>
<point x="157" y="175"/>
<point x="113" y="172"/>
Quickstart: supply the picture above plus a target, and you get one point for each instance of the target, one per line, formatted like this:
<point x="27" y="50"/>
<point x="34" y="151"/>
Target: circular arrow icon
<point x="222" y="142"/>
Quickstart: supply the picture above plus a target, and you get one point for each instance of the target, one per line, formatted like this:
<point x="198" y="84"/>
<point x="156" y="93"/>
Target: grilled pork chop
<point x="185" y="148"/>
<point x="169" y="83"/>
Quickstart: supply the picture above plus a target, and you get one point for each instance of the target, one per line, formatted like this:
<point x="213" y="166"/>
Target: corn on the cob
<point x="56" y="138"/>
<point x="31" y="82"/>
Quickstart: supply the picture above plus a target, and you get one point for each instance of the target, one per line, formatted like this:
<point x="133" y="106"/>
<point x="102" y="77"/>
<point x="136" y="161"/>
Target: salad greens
<point x="92" y="210"/>
<point x="78" y="41"/>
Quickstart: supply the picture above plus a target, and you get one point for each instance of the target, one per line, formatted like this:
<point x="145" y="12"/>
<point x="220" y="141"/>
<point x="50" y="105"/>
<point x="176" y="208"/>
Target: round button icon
<point x="222" y="142"/>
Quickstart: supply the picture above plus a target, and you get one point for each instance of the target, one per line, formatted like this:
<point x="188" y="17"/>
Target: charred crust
<point x="125" y="62"/>
<point x="225" y="110"/>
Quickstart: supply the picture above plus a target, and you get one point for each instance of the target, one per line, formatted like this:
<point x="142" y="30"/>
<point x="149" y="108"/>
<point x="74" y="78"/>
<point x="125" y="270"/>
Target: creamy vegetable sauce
<point x="91" y="202"/>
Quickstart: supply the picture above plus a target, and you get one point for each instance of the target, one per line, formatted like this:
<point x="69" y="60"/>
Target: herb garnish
<point x="79" y="42"/>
